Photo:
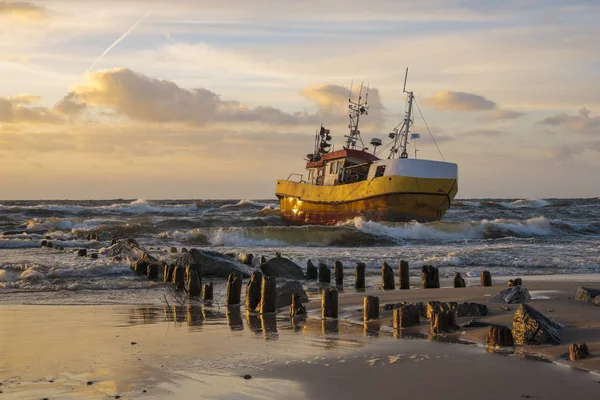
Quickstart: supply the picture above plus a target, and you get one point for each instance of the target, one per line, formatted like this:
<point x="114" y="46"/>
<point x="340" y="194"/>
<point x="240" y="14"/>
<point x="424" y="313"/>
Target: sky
<point x="218" y="99"/>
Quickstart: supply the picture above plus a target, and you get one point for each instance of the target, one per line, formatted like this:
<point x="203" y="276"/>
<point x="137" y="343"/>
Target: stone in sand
<point x="126" y="250"/>
<point x="49" y="245"/>
<point x="297" y="308"/>
<point x="207" y="292"/>
<point x="371" y="308"/>
<point x="586" y="294"/>
<point x="359" y="276"/>
<point x="285" y="291"/>
<point x="474" y="324"/>
<point x="405" y="316"/>
<point x="179" y="278"/>
<point x="44" y="243"/>
<point x="280" y="267"/>
<point x="234" y="290"/>
<point x="94" y="255"/>
<point x="534" y="328"/>
<point x="253" y="291"/>
<point x="184" y="250"/>
<point x="268" y="292"/>
<point x="338" y="269"/>
<point x="404" y="277"/>
<point x="443" y="322"/>
<point x="214" y="264"/>
<point x="471" y="310"/>
<point x="246" y="258"/>
<point x="430" y="277"/>
<point x="83" y="253"/>
<point x="387" y="277"/>
<point x="459" y="282"/>
<point x="499" y="336"/>
<point x="485" y="278"/>
<point x="329" y="303"/>
<point x="324" y="273"/>
<point x="193" y="281"/>
<point x="515" y="282"/>
<point x="311" y="271"/>
<point x="578" y="351"/>
<point x="514" y="294"/>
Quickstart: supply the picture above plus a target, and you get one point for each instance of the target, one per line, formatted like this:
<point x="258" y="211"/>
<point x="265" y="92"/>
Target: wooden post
<point x="499" y="336"/>
<point x="486" y="278"/>
<point x="194" y="281"/>
<point x="262" y="260"/>
<point x="179" y="277"/>
<point x="253" y="291"/>
<point x="296" y="308"/>
<point x="371" y="308"/>
<point x="515" y="282"/>
<point x="329" y="303"/>
<point x="444" y="321"/>
<point x="430" y="277"/>
<point x="324" y="273"/>
<point x="151" y="271"/>
<point x="207" y="292"/>
<point x="459" y="281"/>
<point x="403" y="273"/>
<point x="387" y="277"/>
<point x="168" y="273"/>
<point x="359" y="277"/>
<point x="578" y="351"/>
<point x="311" y="271"/>
<point x="268" y="294"/>
<point x="338" y="268"/>
<point x="234" y="290"/>
<point x="406" y="316"/>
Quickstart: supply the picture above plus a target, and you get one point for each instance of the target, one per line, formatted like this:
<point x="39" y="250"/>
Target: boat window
<point x="310" y="173"/>
<point x="331" y="165"/>
<point x="340" y="164"/>
<point x="379" y="171"/>
<point x="321" y="171"/>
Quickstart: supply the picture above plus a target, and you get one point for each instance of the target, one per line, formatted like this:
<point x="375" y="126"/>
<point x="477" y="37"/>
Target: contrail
<point x="119" y="40"/>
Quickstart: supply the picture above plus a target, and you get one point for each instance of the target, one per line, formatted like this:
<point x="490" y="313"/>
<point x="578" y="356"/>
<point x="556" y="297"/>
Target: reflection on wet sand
<point x="329" y="327"/>
<point x="195" y="315"/>
<point x="234" y="319"/>
<point x="372" y="328"/>
<point x="297" y="322"/>
<point x="253" y="321"/>
<point x="269" y="326"/>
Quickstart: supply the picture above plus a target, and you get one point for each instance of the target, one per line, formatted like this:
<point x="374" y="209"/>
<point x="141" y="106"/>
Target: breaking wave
<point x="520" y="203"/>
<point x="246" y="204"/>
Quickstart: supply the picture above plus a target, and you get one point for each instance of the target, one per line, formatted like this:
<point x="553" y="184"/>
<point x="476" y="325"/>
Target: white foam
<point x="245" y="203"/>
<point x="526" y="203"/>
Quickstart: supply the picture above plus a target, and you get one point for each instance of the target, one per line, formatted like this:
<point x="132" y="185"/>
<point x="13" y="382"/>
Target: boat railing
<point x="298" y="175"/>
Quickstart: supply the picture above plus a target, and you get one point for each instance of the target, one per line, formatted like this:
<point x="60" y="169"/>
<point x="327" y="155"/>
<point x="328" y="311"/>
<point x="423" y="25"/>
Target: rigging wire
<point x="430" y="134"/>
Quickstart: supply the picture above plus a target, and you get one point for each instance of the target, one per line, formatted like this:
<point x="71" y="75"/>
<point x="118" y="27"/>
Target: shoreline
<point x="176" y="347"/>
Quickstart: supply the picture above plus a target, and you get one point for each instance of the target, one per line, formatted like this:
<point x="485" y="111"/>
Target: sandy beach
<point x="160" y="351"/>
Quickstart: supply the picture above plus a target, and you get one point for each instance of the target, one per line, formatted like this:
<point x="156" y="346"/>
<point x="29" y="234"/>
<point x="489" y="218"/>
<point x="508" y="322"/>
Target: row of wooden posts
<point x="261" y="291"/>
<point x="430" y="277"/>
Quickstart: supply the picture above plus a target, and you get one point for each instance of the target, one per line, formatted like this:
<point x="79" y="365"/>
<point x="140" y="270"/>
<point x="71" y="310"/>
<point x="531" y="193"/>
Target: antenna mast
<point x="401" y="135"/>
<point x="357" y="108"/>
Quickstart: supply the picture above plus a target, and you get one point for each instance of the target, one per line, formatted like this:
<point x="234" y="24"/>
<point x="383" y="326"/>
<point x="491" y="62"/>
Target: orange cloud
<point x="22" y="10"/>
<point x="459" y="101"/>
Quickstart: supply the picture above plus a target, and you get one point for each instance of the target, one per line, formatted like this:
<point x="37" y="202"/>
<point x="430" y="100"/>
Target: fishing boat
<point x="352" y="182"/>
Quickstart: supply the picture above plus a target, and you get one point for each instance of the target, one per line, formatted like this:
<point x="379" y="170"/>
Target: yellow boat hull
<point x="386" y="198"/>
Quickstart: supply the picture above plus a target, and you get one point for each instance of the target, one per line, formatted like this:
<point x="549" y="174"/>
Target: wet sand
<point x="196" y="352"/>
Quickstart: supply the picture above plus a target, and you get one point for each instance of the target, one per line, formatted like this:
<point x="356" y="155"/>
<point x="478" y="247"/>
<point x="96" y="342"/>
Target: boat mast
<point x="357" y="108"/>
<point x="401" y="136"/>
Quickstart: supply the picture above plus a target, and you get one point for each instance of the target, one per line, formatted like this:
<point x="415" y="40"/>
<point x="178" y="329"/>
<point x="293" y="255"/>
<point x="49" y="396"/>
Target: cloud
<point x="580" y="123"/>
<point x="562" y="153"/>
<point x="23" y="10"/>
<point x="459" y="101"/>
<point x="17" y="110"/>
<point x="148" y="99"/>
<point x="505" y="114"/>
<point x="481" y="132"/>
